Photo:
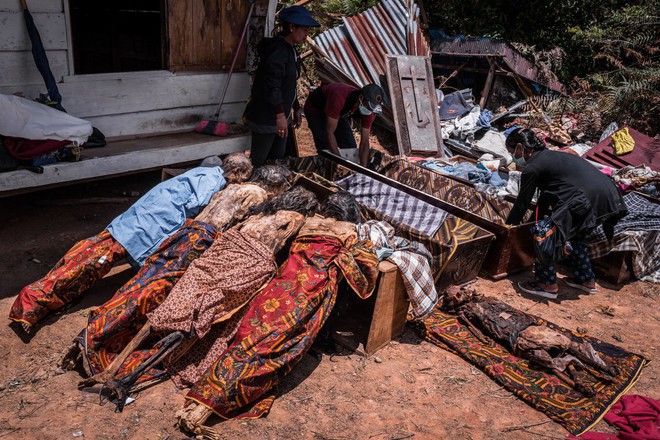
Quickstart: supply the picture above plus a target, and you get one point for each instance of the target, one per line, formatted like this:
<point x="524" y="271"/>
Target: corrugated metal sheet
<point x="513" y="59"/>
<point x="355" y="52"/>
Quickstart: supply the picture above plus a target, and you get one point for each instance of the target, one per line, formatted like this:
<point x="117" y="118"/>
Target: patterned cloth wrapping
<point x="282" y="323"/>
<point x="639" y="233"/>
<point x="86" y="262"/>
<point x="644" y="247"/>
<point x="643" y="215"/>
<point x="216" y="287"/>
<point x="412" y="259"/>
<point x="394" y="203"/>
<point x="113" y="325"/>
<point x="540" y="389"/>
<point x="454" y="192"/>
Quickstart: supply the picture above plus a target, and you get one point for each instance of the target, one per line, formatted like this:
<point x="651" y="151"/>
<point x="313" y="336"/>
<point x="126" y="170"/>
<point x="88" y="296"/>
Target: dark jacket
<point x="581" y="197"/>
<point x="274" y="87"/>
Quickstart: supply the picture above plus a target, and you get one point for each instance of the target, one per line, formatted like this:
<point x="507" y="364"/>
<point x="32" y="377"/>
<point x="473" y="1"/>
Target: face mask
<point x="363" y="110"/>
<point x="519" y="161"/>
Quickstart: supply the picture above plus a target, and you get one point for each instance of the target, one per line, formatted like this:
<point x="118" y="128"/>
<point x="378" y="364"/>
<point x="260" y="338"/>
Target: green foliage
<point x="608" y="49"/>
<point x="347" y="7"/>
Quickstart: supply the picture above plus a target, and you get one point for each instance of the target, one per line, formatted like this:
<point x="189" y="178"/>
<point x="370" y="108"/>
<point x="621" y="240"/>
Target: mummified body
<point x="523" y="335"/>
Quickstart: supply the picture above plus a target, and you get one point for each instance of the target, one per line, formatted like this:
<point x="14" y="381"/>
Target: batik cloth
<point x="538" y="388"/>
<point x="207" y="304"/>
<point x="113" y="325"/>
<point x="396" y="204"/>
<point x="86" y="262"/>
<point x="282" y="323"/>
<point x="412" y="259"/>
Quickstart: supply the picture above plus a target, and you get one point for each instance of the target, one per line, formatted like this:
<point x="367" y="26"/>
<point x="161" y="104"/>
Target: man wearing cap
<point x="330" y="107"/>
<point x="268" y="112"/>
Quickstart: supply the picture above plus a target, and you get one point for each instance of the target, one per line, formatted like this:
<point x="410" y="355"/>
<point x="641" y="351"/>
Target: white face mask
<point x="519" y="161"/>
<point x="363" y="110"/>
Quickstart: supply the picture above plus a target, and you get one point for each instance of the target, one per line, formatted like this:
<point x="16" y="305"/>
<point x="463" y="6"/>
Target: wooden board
<point x="123" y="157"/>
<point x="369" y="324"/>
<point x="18" y="67"/>
<point x="414" y="105"/>
<point x="14" y="35"/>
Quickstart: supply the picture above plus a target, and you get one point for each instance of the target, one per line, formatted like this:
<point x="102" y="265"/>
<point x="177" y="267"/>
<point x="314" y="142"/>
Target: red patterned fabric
<point x="86" y="262"/>
<point x="282" y="323"/>
<point x="112" y="326"/>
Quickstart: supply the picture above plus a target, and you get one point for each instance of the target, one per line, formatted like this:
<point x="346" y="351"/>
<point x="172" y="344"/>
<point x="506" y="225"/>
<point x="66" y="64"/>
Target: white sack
<point x="24" y="118"/>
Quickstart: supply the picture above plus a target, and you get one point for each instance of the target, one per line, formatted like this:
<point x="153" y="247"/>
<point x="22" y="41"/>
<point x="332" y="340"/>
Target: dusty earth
<point x="409" y="389"/>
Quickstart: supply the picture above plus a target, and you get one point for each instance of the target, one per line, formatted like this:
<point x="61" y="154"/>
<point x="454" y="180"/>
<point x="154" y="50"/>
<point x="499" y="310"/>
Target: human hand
<point x="282" y="125"/>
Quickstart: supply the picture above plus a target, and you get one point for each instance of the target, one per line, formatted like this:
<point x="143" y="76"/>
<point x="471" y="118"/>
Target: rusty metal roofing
<point x="356" y="51"/>
<point x="514" y="60"/>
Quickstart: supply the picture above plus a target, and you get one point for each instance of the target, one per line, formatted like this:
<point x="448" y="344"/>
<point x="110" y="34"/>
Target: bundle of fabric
<point x="412" y="259"/>
<point x="137" y="233"/>
<point x="111" y="326"/>
<point x="638" y="232"/>
<point x="539" y="388"/>
<point x="282" y="322"/>
<point x="215" y="289"/>
<point x="637" y="417"/>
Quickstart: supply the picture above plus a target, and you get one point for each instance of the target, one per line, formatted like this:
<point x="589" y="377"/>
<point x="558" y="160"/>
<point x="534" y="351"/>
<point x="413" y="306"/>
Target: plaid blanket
<point x="643" y="245"/>
<point x="411" y="257"/>
<point x="643" y="215"/>
<point x="396" y="204"/>
<point x="639" y="233"/>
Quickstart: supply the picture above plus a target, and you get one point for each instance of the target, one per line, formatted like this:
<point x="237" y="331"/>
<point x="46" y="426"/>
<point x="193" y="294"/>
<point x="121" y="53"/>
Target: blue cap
<point x="297" y="15"/>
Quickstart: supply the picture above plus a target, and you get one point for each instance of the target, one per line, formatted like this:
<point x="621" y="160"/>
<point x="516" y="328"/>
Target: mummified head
<point x="297" y="199"/>
<point x="237" y="168"/>
<point x="273" y="178"/>
<point x="341" y="206"/>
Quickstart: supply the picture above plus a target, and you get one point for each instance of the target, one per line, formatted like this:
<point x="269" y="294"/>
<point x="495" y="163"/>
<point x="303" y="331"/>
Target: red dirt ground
<point x="409" y="389"/>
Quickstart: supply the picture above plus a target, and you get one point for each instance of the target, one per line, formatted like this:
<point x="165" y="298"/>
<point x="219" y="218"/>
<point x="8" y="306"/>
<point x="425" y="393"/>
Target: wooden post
<point x="489" y="83"/>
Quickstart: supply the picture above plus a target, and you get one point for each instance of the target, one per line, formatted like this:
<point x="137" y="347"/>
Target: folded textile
<point x="396" y="204"/>
<point x="637" y="417"/>
<point x="537" y="387"/>
<point x="644" y="248"/>
<point x="412" y="259"/>
<point x="622" y="142"/>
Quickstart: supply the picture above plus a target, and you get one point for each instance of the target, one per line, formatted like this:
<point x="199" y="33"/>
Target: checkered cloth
<point x="412" y="259"/>
<point x="643" y="215"/>
<point x="645" y="248"/>
<point x="639" y="233"/>
<point x="397" y="205"/>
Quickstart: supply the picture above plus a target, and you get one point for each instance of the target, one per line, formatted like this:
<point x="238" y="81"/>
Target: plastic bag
<point x="549" y="246"/>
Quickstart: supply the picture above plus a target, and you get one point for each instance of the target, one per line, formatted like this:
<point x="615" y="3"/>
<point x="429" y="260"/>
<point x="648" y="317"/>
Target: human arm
<point x="364" y="146"/>
<point x="330" y="127"/>
<point x="528" y="185"/>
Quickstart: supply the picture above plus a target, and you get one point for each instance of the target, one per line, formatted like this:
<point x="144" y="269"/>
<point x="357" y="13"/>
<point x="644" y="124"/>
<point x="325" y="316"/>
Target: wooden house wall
<point x="119" y="104"/>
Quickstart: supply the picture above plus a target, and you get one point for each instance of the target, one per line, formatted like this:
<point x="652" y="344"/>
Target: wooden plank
<point x="390" y="310"/>
<point x="18" y="67"/>
<point x="163" y="121"/>
<point x="143" y="156"/>
<point x="33" y="6"/>
<point x="110" y="97"/>
<point x="179" y="19"/>
<point x="14" y="35"/>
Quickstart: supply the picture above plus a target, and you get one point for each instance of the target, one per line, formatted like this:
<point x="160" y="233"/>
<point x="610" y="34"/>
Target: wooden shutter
<point x="203" y="34"/>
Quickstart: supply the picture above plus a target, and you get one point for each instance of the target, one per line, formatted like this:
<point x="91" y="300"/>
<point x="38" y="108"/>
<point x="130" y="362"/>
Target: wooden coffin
<point x="459" y="247"/>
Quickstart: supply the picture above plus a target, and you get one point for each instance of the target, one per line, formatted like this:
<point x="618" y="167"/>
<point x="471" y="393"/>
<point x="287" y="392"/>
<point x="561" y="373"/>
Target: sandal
<point x="535" y="289"/>
<point x="571" y="282"/>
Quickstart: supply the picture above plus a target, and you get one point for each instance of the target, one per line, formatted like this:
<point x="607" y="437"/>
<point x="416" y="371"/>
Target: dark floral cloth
<point x="538" y="388"/>
<point x="282" y="323"/>
<point x="87" y="261"/>
<point x="114" y="324"/>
